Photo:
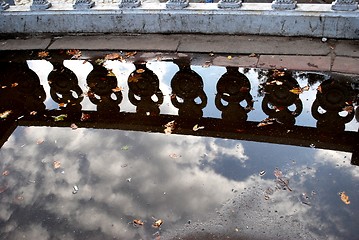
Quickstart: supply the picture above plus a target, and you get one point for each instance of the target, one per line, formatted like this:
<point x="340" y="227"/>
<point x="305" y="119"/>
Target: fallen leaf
<point x="296" y="90"/>
<point x="60" y="117"/>
<point x="344" y="198"/>
<point x="196" y="127"/>
<point x="265" y="122"/>
<point x="174" y="155"/>
<point x="43" y="54"/>
<point x="112" y="56"/>
<point x="348" y="109"/>
<point x="229" y="57"/>
<point x="110" y="74"/>
<point x="211" y="54"/>
<point x="100" y="61"/>
<point x="133" y="78"/>
<point x="252" y="55"/>
<point x="125" y="148"/>
<point x="62" y="105"/>
<point x="138" y="222"/>
<point x="278" y="173"/>
<point x="5" y="173"/>
<point x="14" y="85"/>
<point x="306" y="88"/>
<point x="74" y="53"/>
<point x="117" y="89"/>
<point x="157" y="223"/>
<point x="85" y="117"/>
<point x="33" y="113"/>
<point x="40" y="141"/>
<point x="73" y="126"/>
<point x="319" y="89"/>
<point x="140" y="70"/>
<point x="56" y="164"/>
<point x="5" y="114"/>
<point x="169" y="127"/>
<point x="130" y="54"/>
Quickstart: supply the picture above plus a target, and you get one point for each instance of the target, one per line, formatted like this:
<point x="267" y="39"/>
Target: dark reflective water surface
<point x="171" y="146"/>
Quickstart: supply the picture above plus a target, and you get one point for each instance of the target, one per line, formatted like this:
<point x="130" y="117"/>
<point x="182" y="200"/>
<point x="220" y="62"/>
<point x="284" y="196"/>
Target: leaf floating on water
<point x="56" y="164"/>
<point x="278" y="173"/>
<point x="60" y="117"/>
<point x="265" y="122"/>
<point x="169" y="127"/>
<point x="344" y="198"/>
<point x="110" y="74"/>
<point x="157" y="223"/>
<point x="5" y="114"/>
<point x="117" y="89"/>
<point x="85" y="117"/>
<point x="74" y="53"/>
<point x="130" y="54"/>
<point x="196" y="127"/>
<point x="174" y="155"/>
<point x="112" y="56"/>
<point x="125" y="148"/>
<point x="140" y="70"/>
<point x="348" y="109"/>
<point x="296" y="90"/>
<point x="43" y="54"/>
<point x="138" y="222"/>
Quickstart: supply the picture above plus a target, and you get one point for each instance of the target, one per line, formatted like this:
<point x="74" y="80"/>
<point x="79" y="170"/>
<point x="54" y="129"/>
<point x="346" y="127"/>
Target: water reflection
<point x="204" y="183"/>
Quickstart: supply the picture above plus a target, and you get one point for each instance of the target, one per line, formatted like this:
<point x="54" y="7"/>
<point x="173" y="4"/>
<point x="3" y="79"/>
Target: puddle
<point x="171" y="146"/>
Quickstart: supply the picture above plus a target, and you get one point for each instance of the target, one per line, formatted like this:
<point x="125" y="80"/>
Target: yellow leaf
<point x="344" y="198"/>
<point x="56" y="164"/>
<point x="229" y="57"/>
<point x="43" y="54"/>
<point x="157" y="223"/>
<point x="296" y="90"/>
<point x="110" y="74"/>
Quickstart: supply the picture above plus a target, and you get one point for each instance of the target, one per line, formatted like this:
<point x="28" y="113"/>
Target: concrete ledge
<point x="311" y="20"/>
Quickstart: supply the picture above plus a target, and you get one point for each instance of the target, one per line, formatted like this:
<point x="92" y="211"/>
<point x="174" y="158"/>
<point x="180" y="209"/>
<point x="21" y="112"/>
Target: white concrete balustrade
<point x="281" y="17"/>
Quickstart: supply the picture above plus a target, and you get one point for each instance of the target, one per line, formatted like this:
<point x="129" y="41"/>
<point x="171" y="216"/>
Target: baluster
<point x="234" y="87"/>
<point x="284" y="4"/>
<point x="229" y="4"/>
<point x="129" y="3"/>
<point x="144" y="84"/>
<point x="3" y="6"/>
<point x="177" y="4"/>
<point x="280" y="93"/>
<point x="344" y="5"/>
<point x="40" y="5"/>
<point x="83" y="4"/>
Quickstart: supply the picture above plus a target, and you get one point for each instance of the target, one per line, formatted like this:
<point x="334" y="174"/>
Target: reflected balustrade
<point x="23" y="96"/>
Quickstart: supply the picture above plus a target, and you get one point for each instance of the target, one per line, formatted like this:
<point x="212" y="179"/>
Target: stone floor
<point x="311" y="54"/>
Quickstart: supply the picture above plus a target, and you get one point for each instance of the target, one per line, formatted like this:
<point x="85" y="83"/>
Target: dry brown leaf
<point x="169" y="127"/>
<point x="296" y="90"/>
<point x="5" y="114"/>
<point x="14" y="84"/>
<point x="196" y="127"/>
<point x="112" y="56"/>
<point x="85" y="117"/>
<point x="40" y="141"/>
<point x="138" y="222"/>
<point x="43" y="54"/>
<point x="130" y="54"/>
<point x="157" y="223"/>
<point x="56" y="164"/>
<point x="348" y="109"/>
<point x="344" y="198"/>
<point x="140" y="70"/>
<point x="5" y="173"/>
<point x="117" y="89"/>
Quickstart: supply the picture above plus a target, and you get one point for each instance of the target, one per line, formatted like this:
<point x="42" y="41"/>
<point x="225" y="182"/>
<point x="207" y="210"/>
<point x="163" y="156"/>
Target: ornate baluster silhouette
<point x="129" y="3"/>
<point x="104" y="92"/>
<point x="187" y="85"/>
<point x="229" y="4"/>
<point x="64" y="89"/>
<point x="83" y="4"/>
<point x="278" y="97"/>
<point x="20" y="89"/>
<point x="333" y="96"/>
<point x="177" y="4"/>
<point x="144" y="84"/>
<point x="233" y="87"/>
<point x="345" y="5"/>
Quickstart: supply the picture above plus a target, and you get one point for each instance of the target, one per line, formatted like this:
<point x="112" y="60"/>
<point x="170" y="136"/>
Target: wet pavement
<point x="176" y="144"/>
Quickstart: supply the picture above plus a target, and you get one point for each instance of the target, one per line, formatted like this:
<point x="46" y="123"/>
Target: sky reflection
<point x="125" y="175"/>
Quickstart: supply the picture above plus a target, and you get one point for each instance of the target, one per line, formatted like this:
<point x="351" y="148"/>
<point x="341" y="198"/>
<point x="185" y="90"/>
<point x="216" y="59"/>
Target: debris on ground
<point x="344" y="198"/>
<point x="157" y="223"/>
<point x="138" y="222"/>
<point x="169" y="127"/>
<point x="196" y="127"/>
<point x="56" y="164"/>
<point x="5" y="114"/>
<point x="75" y="189"/>
<point x="73" y="126"/>
<point x="60" y="117"/>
